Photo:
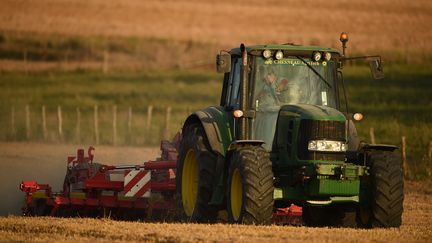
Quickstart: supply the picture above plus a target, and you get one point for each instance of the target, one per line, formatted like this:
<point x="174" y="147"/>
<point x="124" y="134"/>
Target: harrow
<point x="126" y="192"/>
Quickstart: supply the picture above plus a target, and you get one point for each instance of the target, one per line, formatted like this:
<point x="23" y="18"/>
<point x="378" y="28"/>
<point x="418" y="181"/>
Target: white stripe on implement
<point x="129" y="175"/>
<point x="139" y="185"/>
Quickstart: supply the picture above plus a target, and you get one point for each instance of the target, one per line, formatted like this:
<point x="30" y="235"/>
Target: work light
<point x="327" y="56"/>
<point x="279" y="55"/>
<point x="267" y="54"/>
<point x="316" y="56"/>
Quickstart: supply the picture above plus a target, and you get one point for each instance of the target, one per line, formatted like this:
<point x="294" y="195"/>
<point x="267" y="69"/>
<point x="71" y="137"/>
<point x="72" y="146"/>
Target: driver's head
<point x="269" y="75"/>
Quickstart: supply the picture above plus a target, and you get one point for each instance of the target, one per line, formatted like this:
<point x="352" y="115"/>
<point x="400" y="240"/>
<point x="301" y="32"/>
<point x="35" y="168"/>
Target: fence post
<point x="78" y="125"/>
<point x="60" y="122"/>
<point x="25" y="61"/>
<point x="167" y="123"/>
<point x="372" y="135"/>
<point x="105" y="61"/>
<point x="129" y="131"/>
<point x="407" y="172"/>
<point x="149" y="117"/>
<point x="130" y="120"/>
<point x="430" y="159"/>
<point x="27" y="112"/>
<point x="44" y="126"/>
<point x="96" y="124"/>
<point x="13" y="128"/>
<point x="114" y="123"/>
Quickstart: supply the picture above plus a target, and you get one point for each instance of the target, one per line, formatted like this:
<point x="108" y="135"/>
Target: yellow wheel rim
<point x="236" y="194"/>
<point x="189" y="182"/>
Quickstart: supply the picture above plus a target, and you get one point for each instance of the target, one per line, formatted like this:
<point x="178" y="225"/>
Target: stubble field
<point x="48" y="36"/>
<point x="374" y="24"/>
<point x="142" y="35"/>
<point x="45" y="163"/>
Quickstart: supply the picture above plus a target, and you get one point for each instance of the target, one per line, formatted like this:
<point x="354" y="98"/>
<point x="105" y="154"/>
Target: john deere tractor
<point x="282" y="135"/>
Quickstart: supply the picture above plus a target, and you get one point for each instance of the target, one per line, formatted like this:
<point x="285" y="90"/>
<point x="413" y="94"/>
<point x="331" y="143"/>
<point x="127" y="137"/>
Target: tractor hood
<point x="298" y="124"/>
<point x="312" y="112"/>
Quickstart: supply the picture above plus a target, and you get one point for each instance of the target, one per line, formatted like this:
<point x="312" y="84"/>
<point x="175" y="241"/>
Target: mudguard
<point x="381" y="147"/>
<point x="216" y="125"/>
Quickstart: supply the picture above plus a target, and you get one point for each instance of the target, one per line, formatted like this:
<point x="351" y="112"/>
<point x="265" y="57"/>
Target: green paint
<point x="312" y="112"/>
<point x="345" y="171"/>
<point x="329" y="187"/>
<point x="278" y="193"/>
<point x="217" y="119"/>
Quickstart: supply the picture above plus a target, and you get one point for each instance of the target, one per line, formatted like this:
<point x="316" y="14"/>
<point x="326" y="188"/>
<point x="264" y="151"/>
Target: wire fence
<point x="114" y="125"/>
<point x="131" y="126"/>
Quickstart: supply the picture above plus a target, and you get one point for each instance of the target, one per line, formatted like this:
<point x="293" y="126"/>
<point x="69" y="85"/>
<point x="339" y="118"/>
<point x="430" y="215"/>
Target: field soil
<point x="46" y="163"/>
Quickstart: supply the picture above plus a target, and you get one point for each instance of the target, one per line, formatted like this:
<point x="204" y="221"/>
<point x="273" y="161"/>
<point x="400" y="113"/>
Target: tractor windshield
<point x="288" y="81"/>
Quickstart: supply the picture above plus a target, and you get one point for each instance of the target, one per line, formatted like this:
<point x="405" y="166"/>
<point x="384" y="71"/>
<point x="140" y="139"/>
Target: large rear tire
<point x="250" y="187"/>
<point x="195" y="176"/>
<point x="381" y="200"/>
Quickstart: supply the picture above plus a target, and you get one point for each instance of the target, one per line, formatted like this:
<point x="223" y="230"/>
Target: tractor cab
<point x="279" y="76"/>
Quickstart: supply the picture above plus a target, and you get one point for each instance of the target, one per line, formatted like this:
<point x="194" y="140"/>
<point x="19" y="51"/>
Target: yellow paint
<point x="80" y="195"/>
<point x="236" y="194"/>
<point x="38" y="195"/>
<point x="189" y="182"/>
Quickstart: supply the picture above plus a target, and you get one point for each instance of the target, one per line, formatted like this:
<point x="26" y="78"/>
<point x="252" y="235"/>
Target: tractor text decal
<point x="294" y="62"/>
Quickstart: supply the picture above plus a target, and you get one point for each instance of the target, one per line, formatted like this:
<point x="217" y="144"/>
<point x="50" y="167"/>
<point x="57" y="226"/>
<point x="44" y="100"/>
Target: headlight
<point x="327" y="146"/>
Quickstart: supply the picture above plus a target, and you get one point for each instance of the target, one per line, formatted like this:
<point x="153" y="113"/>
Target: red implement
<point x="143" y="191"/>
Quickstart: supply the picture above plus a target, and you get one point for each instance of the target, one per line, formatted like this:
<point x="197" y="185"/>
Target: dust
<point x="46" y="163"/>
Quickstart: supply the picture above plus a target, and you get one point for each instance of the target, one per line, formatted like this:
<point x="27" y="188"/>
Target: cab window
<point x="233" y="100"/>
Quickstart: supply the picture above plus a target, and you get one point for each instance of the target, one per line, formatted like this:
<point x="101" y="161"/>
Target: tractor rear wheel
<point x="381" y="200"/>
<point x="195" y="176"/>
<point x="250" y="186"/>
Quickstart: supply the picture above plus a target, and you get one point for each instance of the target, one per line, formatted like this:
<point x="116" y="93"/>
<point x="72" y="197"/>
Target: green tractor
<point x="279" y="137"/>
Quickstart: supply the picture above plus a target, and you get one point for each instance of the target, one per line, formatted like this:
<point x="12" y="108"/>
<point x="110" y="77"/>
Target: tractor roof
<point x="284" y="47"/>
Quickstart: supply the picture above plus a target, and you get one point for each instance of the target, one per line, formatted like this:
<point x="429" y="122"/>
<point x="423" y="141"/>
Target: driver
<point x="272" y="86"/>
<point x="267" y="105"/>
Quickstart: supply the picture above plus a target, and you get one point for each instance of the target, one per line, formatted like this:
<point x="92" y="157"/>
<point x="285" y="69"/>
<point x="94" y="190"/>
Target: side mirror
<point x="223" y="63"/>
<point x="376" y="69"/>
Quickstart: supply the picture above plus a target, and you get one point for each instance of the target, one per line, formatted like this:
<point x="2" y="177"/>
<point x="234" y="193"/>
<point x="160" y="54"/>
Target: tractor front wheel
<point x="382" y="193"/>
<point x="250" y="186"/>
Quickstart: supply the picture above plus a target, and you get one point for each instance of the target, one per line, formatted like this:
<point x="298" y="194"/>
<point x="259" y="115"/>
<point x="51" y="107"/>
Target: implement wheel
<point x="250" y="187"/>
<point x="382" y="192"/>
<point x="195" y="176"/>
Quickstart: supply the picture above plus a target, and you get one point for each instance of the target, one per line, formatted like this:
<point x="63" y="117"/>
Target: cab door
<point x="231" y="100"/>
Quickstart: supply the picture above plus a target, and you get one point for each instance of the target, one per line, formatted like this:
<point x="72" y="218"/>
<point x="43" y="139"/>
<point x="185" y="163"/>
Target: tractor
<point x="282" y="135"/>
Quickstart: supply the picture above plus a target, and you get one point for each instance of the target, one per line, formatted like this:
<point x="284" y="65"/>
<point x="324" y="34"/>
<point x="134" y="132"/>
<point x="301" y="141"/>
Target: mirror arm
<point x="360" y="57"/>
<point x="342" y="80"/>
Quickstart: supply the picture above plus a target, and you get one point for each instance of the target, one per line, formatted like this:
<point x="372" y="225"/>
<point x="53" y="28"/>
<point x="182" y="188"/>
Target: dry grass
<point x="143" y="35"/>
<point x="417" y="220"/>
<point x="401" y="26"/>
